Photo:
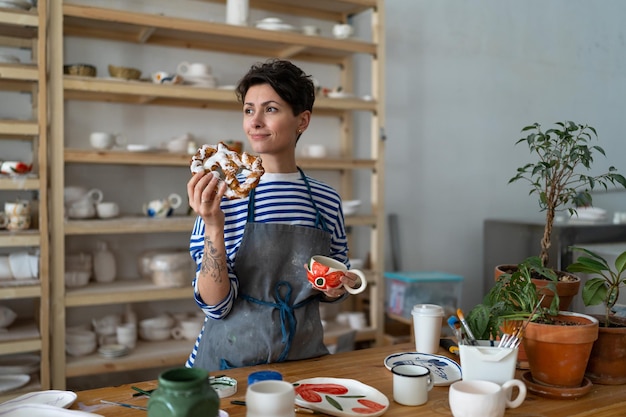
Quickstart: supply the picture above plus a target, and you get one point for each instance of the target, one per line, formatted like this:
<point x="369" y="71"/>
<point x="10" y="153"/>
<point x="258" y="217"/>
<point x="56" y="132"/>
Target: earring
<point x="299" y="131"/>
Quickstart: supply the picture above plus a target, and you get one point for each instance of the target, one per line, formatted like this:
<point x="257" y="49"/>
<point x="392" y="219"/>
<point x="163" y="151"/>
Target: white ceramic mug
<point x="484" y="398"/>
<point x="107" y="209"/>
<point x="18" y="222"/>
<point x="163" y="207"/>
<point x="195" y="69"/>
<point x="17" y="208"/>
<point x="127" y="334"/>
<point x="103" y="140"/>
<point x="427" y="322"/>
<point x="411" y="384"/>
<point x="324" y="272"/>
<point x="187" y="329"/>
<point x="342" y="31"/>
<point x="270" y="399"/>
<point x="17" y="215"/>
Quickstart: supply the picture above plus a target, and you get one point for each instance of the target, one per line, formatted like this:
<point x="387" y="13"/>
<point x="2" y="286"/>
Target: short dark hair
<point x="291" y="83"/>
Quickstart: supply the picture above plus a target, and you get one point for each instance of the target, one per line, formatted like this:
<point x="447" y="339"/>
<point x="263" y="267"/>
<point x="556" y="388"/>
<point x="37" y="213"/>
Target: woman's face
<point x="269" y="122"/>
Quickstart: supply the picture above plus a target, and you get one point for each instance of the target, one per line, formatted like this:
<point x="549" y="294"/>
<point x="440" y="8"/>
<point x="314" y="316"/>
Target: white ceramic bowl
<point x="20" y="265"/>
<point x="75" y="336"/>
<point x="107" y="209"/>
<point x="74" y="279"/>
<point x="350" y="207"/>
<point x="154" y="333"/>
<point x="159" y="322"/>
<point x="81" y="349"/>
<point x="7" y="316"/>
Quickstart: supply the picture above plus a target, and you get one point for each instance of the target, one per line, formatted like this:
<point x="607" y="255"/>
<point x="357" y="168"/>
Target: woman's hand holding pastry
<point x="205" y="192"/>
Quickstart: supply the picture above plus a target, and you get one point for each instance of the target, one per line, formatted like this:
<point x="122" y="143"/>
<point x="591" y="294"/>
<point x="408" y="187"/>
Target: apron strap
<point x="286" y="310"/>
<point x="319" y="219"/>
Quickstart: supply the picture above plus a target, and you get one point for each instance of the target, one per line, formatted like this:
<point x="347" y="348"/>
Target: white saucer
<point x="137" y="147"/>
<point x="11" y="382"/>
<point x="55" y="398"/>
<point x="285" y="27"/>
<point x="445" y="370"/>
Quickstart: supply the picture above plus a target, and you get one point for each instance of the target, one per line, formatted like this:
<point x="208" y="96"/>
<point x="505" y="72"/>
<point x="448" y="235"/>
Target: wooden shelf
<point x="22" y="336"/>
<point x="28" y="72"/>
<point x="12" y="289"/>
<point x="180" y="95"/>
<point x="124" y="291"/>
<point x="162" y="158"/>
<point x="19" y="23"/>
<point x="334" y="10"/>
<point x="129" y="224"/>
<point x="126" y="26"/>
<point x="19" y="127"/>
<point x="144" y="355"/>
<point x="19" y="183"/>
<point x="23" y="238"/>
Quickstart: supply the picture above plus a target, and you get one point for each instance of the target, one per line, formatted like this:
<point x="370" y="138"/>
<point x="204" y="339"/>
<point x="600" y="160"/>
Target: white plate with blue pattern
<point x="445" y="371"/>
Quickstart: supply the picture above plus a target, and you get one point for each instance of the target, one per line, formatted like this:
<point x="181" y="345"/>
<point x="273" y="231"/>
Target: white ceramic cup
<point x="270" y="399"/>
<point x="127" y="334"/>
<point x="107" y="209"/>
<point x="193" y="69"/>
<point x="310" y="30"/>
<point x="488" y="363"/>
<point x="187" y="329"/>
<point x="104" y="140"/>
<point x="342" y="31"/>
<point x="17" y="208"/>
<point x="5" y="268"/>
<point x="18" y="222"/>
<point x="316" y="151"/>
<point x="237" y="12"/>
<point x="411" y="384"/>
<point x="19" y="262"/>
<point x="324" y="272"/>
<point x="484" y="398"/>
<point x="427" y="322"/>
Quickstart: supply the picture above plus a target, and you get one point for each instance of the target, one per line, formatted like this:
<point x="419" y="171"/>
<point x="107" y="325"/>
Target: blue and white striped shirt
<point x="280" y="198"/>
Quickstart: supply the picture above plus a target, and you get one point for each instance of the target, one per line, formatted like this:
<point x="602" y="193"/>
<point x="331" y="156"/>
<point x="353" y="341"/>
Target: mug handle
<point x="175" y="200"/>
<point x="95" y="195"/>
<point x="508" y="386"/>
<point x="363" y="285"/>
<point x="182" y="68"/>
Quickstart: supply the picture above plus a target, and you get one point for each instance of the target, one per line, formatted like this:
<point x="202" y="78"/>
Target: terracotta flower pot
<point x="566" y="290"/>
<point x="607" y="362"/>
<point x="558" y="354"/>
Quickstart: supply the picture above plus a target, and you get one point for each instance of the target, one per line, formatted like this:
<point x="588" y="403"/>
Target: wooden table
<point x="367" y="366"/>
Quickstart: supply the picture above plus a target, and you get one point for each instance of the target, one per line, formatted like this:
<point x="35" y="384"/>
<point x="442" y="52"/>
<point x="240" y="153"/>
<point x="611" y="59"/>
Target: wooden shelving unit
<point x="123" y="26"/>
<point x="26" y="30"/>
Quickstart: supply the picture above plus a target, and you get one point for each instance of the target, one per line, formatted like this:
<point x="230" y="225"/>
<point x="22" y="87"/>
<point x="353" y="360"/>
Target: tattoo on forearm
<point x="212" y="264"/>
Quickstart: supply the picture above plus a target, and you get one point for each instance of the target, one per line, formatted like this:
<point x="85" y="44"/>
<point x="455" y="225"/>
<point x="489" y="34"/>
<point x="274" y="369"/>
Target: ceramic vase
<point x="104" y="265"/>
<point x="184" y="392"/>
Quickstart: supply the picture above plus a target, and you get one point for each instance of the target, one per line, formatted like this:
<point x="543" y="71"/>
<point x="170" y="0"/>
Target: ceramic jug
<point x="163" y="207"/>
<point x="184" y="392"/>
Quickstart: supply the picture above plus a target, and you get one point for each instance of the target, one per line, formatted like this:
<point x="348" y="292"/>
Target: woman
<point x="251" y="281"/>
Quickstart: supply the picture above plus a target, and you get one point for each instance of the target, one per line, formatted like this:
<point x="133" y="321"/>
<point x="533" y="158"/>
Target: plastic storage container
<point x="406" y="289"/>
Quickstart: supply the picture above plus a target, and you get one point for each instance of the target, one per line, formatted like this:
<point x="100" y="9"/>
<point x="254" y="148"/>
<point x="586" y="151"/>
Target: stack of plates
<point x="20" y="363"/>
<point x="9" y="59"/>
<point x="200" y="80"/>
<point x="16" y="4"/>
<point x="274" y="23"/>
<point x="113" y="350"/>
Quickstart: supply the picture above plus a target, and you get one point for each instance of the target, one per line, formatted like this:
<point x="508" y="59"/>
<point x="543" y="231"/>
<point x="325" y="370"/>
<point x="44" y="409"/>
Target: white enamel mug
<point x="411" y="384"/>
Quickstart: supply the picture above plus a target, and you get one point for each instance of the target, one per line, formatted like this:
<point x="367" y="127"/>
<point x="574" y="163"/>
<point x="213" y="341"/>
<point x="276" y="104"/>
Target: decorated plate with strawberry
<point x="340" y="397"/>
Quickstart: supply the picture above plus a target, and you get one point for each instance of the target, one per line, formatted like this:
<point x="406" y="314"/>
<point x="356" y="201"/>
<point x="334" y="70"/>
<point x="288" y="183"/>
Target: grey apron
<point x="276" y="316"/>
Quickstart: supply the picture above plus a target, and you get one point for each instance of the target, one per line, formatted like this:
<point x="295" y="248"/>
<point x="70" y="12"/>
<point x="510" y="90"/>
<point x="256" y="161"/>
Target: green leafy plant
<point x="605" y="285"/>
<point x="558" y="177"/>
<point x="512" y="299"/>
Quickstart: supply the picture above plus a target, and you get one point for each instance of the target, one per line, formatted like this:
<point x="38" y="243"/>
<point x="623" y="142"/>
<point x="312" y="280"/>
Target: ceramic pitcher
<point x="184" y="392"/>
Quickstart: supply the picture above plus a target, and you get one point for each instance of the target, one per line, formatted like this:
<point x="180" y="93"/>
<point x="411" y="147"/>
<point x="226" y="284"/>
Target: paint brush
<point x="134" y="407"/>
<point x="470" y="336"/>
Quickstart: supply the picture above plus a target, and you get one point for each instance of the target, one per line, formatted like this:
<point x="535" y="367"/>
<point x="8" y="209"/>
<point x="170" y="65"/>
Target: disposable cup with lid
<point x="427" y="322"/>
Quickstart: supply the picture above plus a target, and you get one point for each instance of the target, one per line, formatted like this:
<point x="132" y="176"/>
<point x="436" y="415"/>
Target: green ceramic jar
<point x="184" y="392"/>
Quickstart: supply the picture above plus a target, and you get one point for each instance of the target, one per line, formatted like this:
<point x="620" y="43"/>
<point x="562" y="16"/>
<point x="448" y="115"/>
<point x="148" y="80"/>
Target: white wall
<point x="462" y="79"/>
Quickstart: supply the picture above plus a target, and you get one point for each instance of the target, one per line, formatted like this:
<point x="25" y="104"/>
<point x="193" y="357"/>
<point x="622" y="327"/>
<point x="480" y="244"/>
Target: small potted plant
<point x="559" y="179"/>
<point x="607" y="363"/>
<point x="513" y="302"/>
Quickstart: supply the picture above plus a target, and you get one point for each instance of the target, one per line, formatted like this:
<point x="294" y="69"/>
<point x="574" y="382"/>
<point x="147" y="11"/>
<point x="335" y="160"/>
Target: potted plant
<point x="607" y="363"/>
<point x="558" y="177"/>
<point x="513" y="302"/>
